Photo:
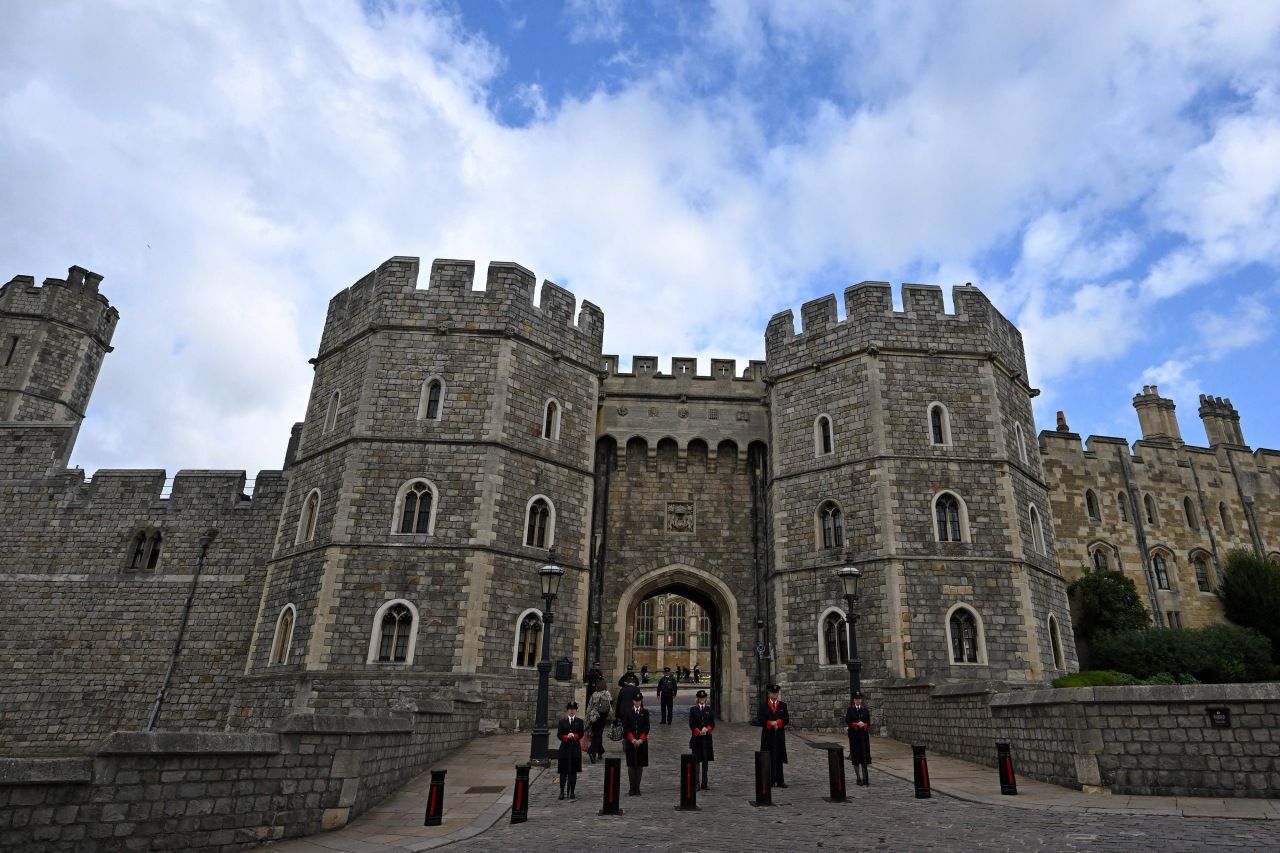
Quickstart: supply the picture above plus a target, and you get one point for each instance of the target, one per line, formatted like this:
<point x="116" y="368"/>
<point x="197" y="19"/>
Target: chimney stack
<point x="1156" y="415"/>
<point x="1221" y="421"/>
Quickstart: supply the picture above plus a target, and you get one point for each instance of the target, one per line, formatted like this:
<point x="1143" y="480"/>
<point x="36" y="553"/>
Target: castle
<point x="457" y="440"/>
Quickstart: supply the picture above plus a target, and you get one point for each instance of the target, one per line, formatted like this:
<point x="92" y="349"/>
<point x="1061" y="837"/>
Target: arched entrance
<point x="728" y="690"/>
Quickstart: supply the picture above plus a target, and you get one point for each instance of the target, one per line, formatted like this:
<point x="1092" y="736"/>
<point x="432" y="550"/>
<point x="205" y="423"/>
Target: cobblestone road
<point x="885" y="816"/>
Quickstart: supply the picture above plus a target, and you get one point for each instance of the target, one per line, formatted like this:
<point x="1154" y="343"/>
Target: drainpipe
<point x="1135" y="503"/>
<point x="205" y="539"/>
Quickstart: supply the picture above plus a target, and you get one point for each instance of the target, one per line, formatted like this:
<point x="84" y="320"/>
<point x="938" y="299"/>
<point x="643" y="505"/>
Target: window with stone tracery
<point x="527" y="641"/>
<point x="964" y="636"/>
<point x="831" y="525"/>
<point x="397" y="625"/>
<point x="645" y="623"/>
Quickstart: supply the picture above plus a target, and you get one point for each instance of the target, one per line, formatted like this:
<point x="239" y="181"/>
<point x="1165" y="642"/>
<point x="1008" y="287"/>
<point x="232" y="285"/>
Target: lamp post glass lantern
<point x="550" y="576"/>
<point x="849" y="577"/>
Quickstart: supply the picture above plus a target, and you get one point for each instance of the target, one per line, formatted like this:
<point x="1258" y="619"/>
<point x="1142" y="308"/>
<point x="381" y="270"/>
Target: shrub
<point x="1088" y="678"/>
<point x="1214" y="655"/>
<point x="1105" y="602"/>
<point x="1251" y="595"/>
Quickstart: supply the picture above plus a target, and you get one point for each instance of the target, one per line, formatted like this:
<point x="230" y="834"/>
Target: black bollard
<point x="688" y="783"/>
<point x="922" y="773"/>
<point x="612" y="785"/>
<point x="520" y="800"/>
<point x="435" y="799"/>
<point x="764" y="780"/>
<point x="1008" y="784"/>
<point x="835" y="774"/>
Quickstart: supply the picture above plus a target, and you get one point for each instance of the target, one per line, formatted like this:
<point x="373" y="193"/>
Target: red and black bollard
<point x="612" y="786"/>
<point x="688" y="783"/>
<point x="835" y="774"/>
<point x="921" y="772"/>
<point x="1008" y="784"/>
<point x="520" y="800"/>
<point x="764" y="780"/>
<point x="435" y="799"/>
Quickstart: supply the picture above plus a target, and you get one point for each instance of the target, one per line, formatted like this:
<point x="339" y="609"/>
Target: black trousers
<point x="634" y="774"/>
<point x="597" y="738"/>
<point x="668" y="707"/>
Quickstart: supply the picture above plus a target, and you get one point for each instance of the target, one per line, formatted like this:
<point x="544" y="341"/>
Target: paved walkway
<point x="967" y="809"/>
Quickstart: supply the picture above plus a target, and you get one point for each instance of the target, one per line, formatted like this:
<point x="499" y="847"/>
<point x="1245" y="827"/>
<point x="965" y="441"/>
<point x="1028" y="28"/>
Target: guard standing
<point x="702" y="721"/>
<point x="635" y="726"/>
<point x="773" y="719"/>
<point x="667" y="689"/>
<point x="569" y="764"/>
<point x="858" y="718"/>
<point x="628" y="675"/>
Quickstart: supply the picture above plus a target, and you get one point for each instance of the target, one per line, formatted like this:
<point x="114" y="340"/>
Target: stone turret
<point x="1157" y="416"/>
<point x="1221" y="421"/>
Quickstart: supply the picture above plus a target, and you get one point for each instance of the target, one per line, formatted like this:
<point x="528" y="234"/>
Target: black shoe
<point x="704" y="787"/>
<point x="572" y="795"/>
<point x="562" y="795"/>
<point x="780" y="785"/>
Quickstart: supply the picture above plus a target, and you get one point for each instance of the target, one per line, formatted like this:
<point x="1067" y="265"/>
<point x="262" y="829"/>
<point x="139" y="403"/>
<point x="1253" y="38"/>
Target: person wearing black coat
<point x="773" y="720"/>
<point x="858" y="719"/>
<point x="625" y="697"/>
<point x="593" y="675"/>
<point x="569" y="764"/>
<point x="628" y="676"/>
<point x="635" y="728"/>
<point x="702" y="721"/>
<point x="667" y="689"/>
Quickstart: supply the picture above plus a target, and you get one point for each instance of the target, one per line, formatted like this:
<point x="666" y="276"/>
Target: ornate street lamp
<point x="550" y="575"/>
<point x="849" y="577"/>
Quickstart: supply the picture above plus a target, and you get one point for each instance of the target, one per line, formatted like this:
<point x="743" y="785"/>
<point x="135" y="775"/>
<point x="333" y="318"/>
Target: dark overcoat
<point x="570" y="753"/>
<point x="635" y="737"/>
<point x="701" y="745"/>
<point x="773" y="740"/>
<point x="625" y="697"/>
<point x="859" y="735"/>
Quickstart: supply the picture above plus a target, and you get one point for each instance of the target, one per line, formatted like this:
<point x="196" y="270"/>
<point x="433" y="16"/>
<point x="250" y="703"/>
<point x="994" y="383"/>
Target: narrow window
<point x="1149" y="504"/>
<point x="1037" y="530"/>
<point x="284" y="636"/>
<point x="1091" y="505"/>
<point x="138" y="552"/>
<point x="704" y="631"/>
<point x="397" y="625"/>
<point x="645" y="624"/>
<point x="939" y="425"/>
<point x="331" y="416"/>
<point x="1174" y="618"/>
<point x="527" y="646"/>
<point x="1227" y="526"/>
<point x="1202" y="574"/>
<point x="551" y="421"/>
<point x="1193" y="522"/>
<point x="1020" y="443"/>
<point x="539" y="523"/>
<point x="1055" y="640"/>
<point x="835" y="639"/>
<point x="823" y="437"/>
<point x="416" y="517"/>
<point x="1100" y="559"/>
<point x="429" y="404"/>
<point x="1122" y="501"/>
<point x="153" y="556"/>
<point x="832" y="523"/>
<point x="964" y="636"/>
<point x="677" y="625"/>
<point x="1162" y="571"/>
<point x="13" y="348"/>
<point x="947" y="516"/>
<point x="307" y="521"/>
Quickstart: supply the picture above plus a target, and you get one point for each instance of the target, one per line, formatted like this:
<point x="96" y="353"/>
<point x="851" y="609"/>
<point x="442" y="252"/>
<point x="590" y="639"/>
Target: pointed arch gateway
<point x="729" y="686"/>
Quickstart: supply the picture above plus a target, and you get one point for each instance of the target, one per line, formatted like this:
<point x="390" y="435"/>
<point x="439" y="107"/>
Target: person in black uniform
<point x="628" y="675"/>
<point x="697" y="674"/>
<point x="630" y="689"/>
<point x="773" y="720"/>
<point x="858" y="718"/>
<point x="593" y="675"/>
<point x="702" y="721"/>
<point x="635" y="727"/>
<point x="667" y="689"/>
<point x="569" y="764"/>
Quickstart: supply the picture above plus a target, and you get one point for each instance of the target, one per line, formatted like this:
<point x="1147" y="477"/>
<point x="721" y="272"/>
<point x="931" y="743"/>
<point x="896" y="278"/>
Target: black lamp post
<point x="849" y="577"/>
<point x="550" y="575"/>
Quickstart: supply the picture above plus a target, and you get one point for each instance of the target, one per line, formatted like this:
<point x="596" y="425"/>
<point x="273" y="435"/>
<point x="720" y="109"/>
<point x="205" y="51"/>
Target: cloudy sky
<point x="1108" y="172"/>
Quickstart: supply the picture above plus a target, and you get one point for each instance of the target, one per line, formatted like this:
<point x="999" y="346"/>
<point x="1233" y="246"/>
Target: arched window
<point x="1227" y="526"/>
<point x="431" y="401"/>
<point x="1201" y="566"/>
<point x="1037" y="530"/>
<point x="540" y="519"/>
<point x="528" y="636"/>
<point x="1055" y="640"/>
<point x="1193" y="522"/>
<point x="415" y="508"/>
<point x="153" y="555"/>
<point x="830" y="526"/>
<point x="822" y="441"/>
<point x="1020" y="443"/>
<point x="951" y="519"/>
<point x="551" y="421"/>
<point x="833" y="638"/>
<point x="284" y="635"/>
<point x="677" y="625"/>
<point x="939" y="425"/>
<point x="1091" y="505"/>
<point x="331" y="416"/>
<point x="307" y="521"/>
<point x="965" y="635"/>
<point x="645" y="624"/>
<point x="138" y="551"/>
<point x="1149" y="504"/>
<point x="1122" y="503"/>
<point x="394" y="633"/>
<point x="1162" y="570"/>
<point x="1100" y="560"/>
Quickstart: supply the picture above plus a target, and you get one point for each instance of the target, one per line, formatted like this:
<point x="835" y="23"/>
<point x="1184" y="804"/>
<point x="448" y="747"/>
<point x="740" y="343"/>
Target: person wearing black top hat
<point x="702" y="721"/>
<point x="667" y="689"/>
<point x="773" y="720"/>
<point x="858" y="719"/>
<point x="569" y="765"/>
<point x="630" y="689"/>
<point x="635" y="727"/>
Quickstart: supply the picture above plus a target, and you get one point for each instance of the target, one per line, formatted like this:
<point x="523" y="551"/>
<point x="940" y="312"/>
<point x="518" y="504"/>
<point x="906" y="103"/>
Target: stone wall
<point x="218" y="791"/>
<point x="1129" y="740"/>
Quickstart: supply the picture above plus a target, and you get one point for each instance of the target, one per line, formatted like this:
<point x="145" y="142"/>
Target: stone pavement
<point x="967" y="809"/>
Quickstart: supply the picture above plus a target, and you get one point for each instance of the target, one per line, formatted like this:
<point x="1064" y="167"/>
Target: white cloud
<point x="594" y="20"/>
<point x="1247" y="324"/>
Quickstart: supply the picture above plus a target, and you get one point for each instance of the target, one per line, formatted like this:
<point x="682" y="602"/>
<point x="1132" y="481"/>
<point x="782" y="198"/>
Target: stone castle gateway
<point x="456" y="440"/>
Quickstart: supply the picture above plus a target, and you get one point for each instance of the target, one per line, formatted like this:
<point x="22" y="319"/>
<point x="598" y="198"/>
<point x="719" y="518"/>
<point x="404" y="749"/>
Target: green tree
<point x="1104" y="602"/>
<point x="1251" y="595"/>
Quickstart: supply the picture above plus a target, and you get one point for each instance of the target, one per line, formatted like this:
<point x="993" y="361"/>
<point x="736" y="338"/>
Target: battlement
<point x="73" y="301"/>
<point x="194" y="488"/>
<point x="871" y="321"/>
<point x="390" y="296"/>
<point x="685" y="368"/>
